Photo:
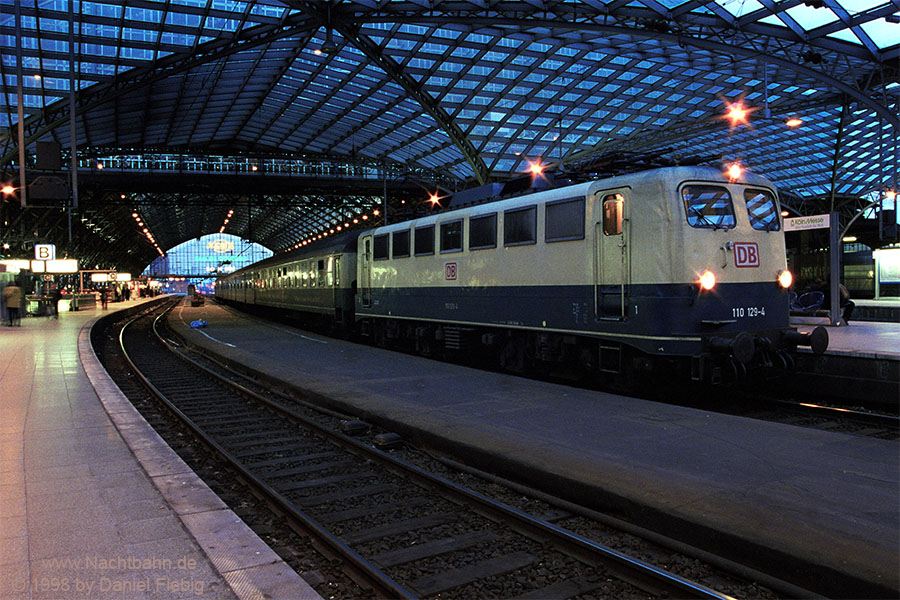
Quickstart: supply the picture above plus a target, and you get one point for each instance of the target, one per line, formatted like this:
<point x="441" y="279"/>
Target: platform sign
<point x="810" y="222"/>
<point x="44" y="252"/>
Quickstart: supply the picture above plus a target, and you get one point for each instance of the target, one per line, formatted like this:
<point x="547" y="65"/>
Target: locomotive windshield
<point x="762" y="210"/>
<point x="708" y="206"/>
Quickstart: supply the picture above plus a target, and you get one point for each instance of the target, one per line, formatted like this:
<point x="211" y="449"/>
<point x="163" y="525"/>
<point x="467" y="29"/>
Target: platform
<point x="862" y="362"/>
<point x="93" y="503"/>
<point x="810" y="505"/>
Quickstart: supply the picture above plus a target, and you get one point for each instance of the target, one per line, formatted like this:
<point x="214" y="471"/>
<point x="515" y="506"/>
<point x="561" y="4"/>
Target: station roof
<point x="443" y="94"/>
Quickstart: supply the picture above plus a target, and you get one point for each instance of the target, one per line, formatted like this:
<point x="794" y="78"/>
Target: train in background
<point x="678" y="271"/>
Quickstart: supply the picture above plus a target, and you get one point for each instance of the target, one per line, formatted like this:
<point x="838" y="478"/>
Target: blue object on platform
<point x="198" y="324"/>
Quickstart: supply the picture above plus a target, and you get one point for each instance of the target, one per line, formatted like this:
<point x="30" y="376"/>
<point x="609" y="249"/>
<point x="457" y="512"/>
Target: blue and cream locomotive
<point x="680" y="267"/>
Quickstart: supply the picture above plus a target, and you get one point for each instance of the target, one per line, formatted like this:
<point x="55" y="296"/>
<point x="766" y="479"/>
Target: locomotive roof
<point x="674" y="175"/>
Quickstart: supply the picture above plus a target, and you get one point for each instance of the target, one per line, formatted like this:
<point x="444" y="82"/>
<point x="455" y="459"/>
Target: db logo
<point x="746" y="254"/>
<point x="450" y="271"/>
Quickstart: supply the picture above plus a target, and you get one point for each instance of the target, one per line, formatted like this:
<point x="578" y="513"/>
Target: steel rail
<point x="639" y="573"/>
<point x="364" y="570"/>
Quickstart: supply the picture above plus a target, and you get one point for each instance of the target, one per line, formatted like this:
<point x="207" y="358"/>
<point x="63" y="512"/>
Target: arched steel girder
<point x="94" y="96"/>
<point x="395" y="71"/>
<point x="414" y="89"/>
<point x="705" y="44"/>
<point x="131" y="80"/>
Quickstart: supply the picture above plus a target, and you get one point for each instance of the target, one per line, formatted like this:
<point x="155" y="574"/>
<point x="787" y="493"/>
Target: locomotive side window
<point x="520" y="226"/>
<point x="424" y="242"/>
<point x="483" y="232"/>
<point x="762" y="210"/>
<point x="708" y="207"/>
<point x="451" y="236"/>
<point x="613" y="209"/>
<point x="380" y="247"/>
<point x="564" y="220"/>
<point x="400" y="243"/>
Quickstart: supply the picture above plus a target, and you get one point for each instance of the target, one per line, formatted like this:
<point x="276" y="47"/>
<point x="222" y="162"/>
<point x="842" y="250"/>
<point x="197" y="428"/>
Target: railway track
<point x="399" y="529"/>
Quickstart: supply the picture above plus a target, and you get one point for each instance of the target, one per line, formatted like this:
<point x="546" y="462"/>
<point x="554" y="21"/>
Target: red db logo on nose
<point x="746" y="254"/>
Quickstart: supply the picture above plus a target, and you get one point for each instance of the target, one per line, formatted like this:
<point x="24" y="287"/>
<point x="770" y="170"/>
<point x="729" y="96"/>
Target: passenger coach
<point x="317" y="281"/>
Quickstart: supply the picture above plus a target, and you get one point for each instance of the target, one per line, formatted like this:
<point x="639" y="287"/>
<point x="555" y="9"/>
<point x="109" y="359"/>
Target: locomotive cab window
<point x="762" y="210"/>
<point x="424" y="242"/>
<point x="483" y="232"/>
<point x="708" y="207"/>
<point x="451" y="236"/>
<point x="400" y="243"/>
<point x="520" y="226"/>
<point x="564" y="220"/>
<point x="613" y="211"/>
<point x="380" y="247"/>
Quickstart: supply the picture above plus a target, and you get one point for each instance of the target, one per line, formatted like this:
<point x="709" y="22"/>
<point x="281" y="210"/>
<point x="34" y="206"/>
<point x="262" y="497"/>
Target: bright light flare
<point x="785" y="279"/>
<point x="8" y="190"/>
<point x="890" y="194"/>
<point x="707" y="280"/>
<point x="536" y="168"/>
<point x="734" y="171"/>
<point x="736" y="113"/>
<point x="794" y="122"/>
<point x="434" y="199"/>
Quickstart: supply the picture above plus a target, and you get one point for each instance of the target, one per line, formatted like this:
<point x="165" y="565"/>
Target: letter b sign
<point x="44" y="252"/>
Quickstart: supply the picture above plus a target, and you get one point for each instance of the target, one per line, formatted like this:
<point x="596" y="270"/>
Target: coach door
<point x="612" y="268"/>
<point x="365" y="272"/>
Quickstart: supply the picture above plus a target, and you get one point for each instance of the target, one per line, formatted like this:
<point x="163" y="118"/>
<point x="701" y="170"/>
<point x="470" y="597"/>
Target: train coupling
<point x="817" y="339"/>
<point x="742" y="346"/>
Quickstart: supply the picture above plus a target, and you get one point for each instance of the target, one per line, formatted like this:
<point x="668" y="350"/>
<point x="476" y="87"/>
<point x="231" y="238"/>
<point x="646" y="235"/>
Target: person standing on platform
<point x="57" y="297"/>
<point x="104" y="298"/>
<point x="847" y="304"/>
<point x="13" y="297"/>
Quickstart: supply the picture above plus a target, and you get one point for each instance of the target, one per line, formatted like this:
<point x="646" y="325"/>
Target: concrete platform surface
<point x="868" y="339"/>
<point x="821" y="505"/>
<point x="93" y="503"/>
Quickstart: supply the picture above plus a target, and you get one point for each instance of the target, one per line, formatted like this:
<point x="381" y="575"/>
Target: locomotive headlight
<point x="707" y="280"/>
<point x="785" y="279"/>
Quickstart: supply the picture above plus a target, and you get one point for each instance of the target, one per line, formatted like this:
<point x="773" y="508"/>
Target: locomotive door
<point x="612" y="268"/>
<point x="365" y="273"/>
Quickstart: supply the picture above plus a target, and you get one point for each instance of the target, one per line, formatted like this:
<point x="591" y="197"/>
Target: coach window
<point x="708" y="207"/>
<point x="483" y="232"/>
<point x="321" y="281"/>
<point x="520" y="226"/>
<point x="451" y="236"/>
<point x="613" y="209"/>
<point x="762" y="210"/>
<point x="564" y="220"/>
<point x="380" y="247"/>
<point x="400" y="244"/>
<point x="424" y="242"/>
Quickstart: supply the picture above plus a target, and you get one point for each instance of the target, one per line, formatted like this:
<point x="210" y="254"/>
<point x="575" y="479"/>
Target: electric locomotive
<point x="675" y="270"/>
<point x="682" y="266"/>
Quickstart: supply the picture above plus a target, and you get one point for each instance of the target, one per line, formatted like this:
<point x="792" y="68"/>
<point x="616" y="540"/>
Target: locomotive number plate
<point x="746" y="254"/>
<point x="748" y="311"/>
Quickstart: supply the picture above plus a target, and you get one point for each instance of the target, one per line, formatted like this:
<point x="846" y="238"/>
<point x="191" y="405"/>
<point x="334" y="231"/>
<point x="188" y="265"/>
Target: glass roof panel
<point x="884" y="34"/>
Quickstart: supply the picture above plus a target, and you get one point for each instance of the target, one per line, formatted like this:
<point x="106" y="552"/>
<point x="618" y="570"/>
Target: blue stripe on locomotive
<point x="661" y="318"/>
